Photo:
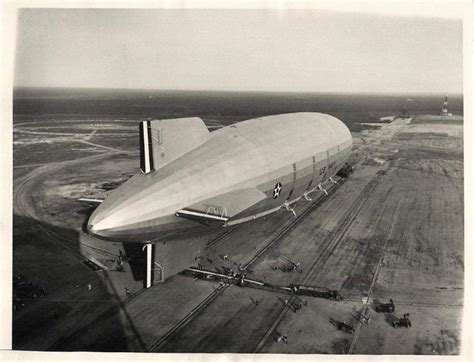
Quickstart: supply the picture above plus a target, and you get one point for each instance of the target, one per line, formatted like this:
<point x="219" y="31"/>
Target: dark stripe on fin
<point x="150" y="145"/>
<point x="142" y="147"/>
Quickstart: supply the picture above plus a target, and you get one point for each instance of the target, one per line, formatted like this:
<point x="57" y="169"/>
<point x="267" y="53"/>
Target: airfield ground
<point x="393" y="229"/>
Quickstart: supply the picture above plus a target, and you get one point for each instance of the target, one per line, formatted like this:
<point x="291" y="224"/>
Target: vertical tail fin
<point x="162" y="141"/>
<point x="146" y="147"/>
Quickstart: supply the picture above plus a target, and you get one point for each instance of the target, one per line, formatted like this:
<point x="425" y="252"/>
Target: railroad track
<point x="336" y="237"/>
<point x="182" y="323"/>
<point x="213" y="242"/>
<point x="331" y="244"/>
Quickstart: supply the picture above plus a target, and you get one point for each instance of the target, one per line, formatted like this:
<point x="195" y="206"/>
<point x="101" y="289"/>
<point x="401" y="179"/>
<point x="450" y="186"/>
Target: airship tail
<point x="162" y="141"/>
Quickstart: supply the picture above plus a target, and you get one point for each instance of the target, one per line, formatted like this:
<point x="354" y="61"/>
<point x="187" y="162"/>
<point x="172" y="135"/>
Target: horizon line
<point x="245" y="91"/>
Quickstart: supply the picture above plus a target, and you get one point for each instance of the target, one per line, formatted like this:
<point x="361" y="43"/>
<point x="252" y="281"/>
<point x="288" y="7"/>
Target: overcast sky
<point x="310" y="51"/>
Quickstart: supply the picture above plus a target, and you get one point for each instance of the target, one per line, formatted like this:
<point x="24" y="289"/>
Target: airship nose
<point x="91" y="229"/>
<point x="112" y="222"/>
<point x="93" y="224"/>
<point x="129" y="214"/>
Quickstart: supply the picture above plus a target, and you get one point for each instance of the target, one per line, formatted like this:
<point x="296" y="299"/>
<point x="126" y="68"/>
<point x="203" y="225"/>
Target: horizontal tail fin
<point x="92" y="201"/>
<point x="222" y="207"/>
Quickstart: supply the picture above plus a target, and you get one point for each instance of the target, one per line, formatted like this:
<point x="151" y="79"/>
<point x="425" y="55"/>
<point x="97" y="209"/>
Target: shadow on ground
<point x="77" y="299"/>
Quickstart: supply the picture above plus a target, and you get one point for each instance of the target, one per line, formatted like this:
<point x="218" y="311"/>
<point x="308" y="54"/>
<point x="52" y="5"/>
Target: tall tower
<point x="444" y="110"/>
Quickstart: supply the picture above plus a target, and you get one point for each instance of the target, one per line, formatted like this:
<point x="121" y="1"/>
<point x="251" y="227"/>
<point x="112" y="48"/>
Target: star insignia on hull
<point x="277" y="190"/>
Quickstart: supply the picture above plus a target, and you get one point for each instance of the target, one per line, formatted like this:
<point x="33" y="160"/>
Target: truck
<point x="318" y="292"/>
<point x="386" y="307"/>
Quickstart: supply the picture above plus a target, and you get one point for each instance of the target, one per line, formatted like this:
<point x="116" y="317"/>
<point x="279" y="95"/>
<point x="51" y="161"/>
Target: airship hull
<point x="227" y="177"/>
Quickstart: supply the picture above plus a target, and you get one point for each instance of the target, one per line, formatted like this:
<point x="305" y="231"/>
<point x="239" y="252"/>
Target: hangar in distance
<point x="193" y="182"/>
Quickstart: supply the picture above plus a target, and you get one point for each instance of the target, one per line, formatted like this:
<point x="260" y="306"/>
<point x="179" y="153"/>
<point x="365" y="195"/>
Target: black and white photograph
<point x="258" y="180"/>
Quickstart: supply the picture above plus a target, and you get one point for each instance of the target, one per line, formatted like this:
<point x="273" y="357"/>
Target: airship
<point x="193" y="182"/>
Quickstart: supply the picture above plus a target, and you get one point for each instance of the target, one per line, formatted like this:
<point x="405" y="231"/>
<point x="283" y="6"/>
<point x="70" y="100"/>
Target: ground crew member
<point x="127" y="292"/>
<point x="282" y="337"/>
<point x="297" y="306"/>
<point x="89" y="287"/>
